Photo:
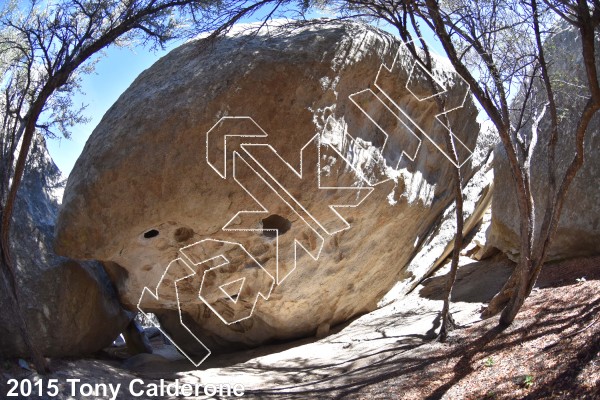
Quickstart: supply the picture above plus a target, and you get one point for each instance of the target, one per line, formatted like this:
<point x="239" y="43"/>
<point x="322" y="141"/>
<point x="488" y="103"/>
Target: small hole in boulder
<point x="182" y="234"/>
<point x="276" y="222"/>
<point x="150" y="234"/>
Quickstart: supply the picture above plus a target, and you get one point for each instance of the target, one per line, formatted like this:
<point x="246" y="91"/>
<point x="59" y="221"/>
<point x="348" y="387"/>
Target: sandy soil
<point x="551" y="351"/>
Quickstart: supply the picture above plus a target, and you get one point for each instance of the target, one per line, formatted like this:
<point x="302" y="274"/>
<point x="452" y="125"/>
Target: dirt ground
<point x="550" y="352"/>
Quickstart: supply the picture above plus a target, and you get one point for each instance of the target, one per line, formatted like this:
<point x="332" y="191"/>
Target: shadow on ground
<point x="432" y="371"/>
<point x="488" y="276"/>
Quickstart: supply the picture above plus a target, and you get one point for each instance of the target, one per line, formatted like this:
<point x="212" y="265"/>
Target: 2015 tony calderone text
<point x="137" y="388"/>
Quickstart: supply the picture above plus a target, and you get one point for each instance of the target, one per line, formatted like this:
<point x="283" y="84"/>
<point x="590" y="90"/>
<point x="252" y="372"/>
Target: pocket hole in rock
<point x="276" y="222"/>
<point x="150" y="234"/>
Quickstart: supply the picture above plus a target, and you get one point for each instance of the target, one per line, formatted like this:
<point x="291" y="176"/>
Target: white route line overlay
<point x="351" y="97"/>
<point x="299" y="173"/>
<point x="224" y="173"/>
<point x="297" y="244"/>
<point x="237" y="295"/>
<point x="225" y="262"/>
<point x="156" y="297"/>
<point x="265" y="210"/>
<point x="415" y="64"/>
<point x="245" y="147"/>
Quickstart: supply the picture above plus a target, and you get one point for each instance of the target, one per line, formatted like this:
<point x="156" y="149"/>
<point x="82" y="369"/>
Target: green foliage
<point x="527" y="381"/>
<point x="489" y="362"/>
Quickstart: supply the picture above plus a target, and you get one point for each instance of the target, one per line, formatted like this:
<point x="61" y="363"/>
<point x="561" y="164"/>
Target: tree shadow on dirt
<point x="411" y="365"/>
<point x="548" y="321"/>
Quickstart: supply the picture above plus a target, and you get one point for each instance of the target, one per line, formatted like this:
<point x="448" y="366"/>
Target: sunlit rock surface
<point x="152" y="180"/>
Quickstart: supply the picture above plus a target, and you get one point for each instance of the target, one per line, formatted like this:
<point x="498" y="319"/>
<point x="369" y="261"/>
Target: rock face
<point x="70" y="307"/>
<point x="579" y="228"/>
<point x="436" y="247"/>
<point x="209" y="181"/>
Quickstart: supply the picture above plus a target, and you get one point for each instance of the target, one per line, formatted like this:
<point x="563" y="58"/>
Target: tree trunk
<point x="500" y="300"/>
<point x="448" y="323"/>
<point x="519" y="293"/>
<point x="526" y="282"/>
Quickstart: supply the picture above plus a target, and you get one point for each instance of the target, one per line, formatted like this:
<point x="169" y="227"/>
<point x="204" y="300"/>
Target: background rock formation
<point x="142" y="188"/>
<point x="71" y="307"/>
<point x="579" y="228"/>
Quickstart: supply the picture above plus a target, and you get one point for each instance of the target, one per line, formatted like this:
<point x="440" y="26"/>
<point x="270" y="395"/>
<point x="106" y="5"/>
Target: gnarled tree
<point x="499" y="47"/>
<point x="478" y="30"/>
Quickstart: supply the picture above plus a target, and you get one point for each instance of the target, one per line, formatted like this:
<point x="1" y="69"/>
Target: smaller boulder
<point x="70" y="307"/>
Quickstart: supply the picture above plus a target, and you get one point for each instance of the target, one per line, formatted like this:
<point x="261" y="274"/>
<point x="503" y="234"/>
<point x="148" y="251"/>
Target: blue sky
<point x="115" y="71"/>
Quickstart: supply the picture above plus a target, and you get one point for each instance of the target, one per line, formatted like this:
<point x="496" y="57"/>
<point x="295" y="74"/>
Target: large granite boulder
<point x="578" y="232"/>
<point x="206" y="188"/>
<point x="71" y="307"/>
